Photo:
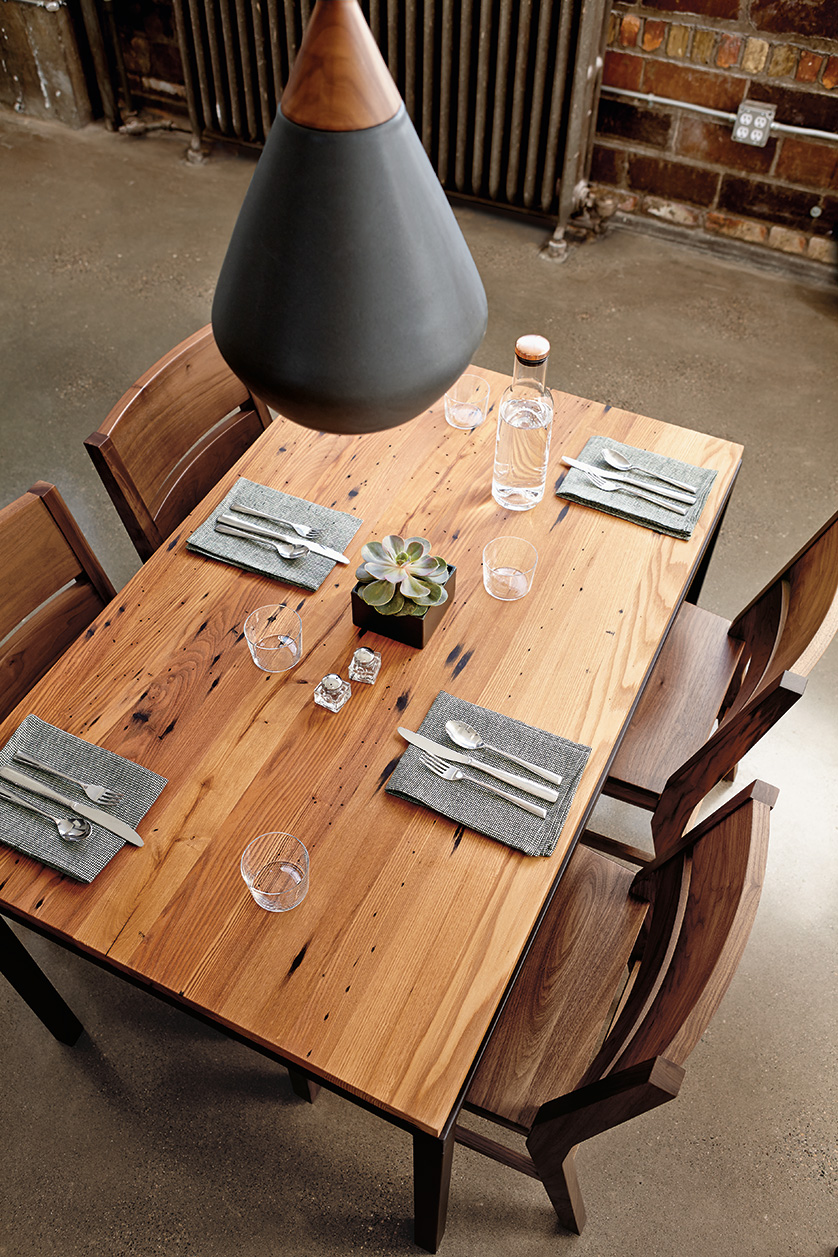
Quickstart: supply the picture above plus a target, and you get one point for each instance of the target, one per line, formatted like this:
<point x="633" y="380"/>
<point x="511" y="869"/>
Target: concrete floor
<point x="155" y="1134"/>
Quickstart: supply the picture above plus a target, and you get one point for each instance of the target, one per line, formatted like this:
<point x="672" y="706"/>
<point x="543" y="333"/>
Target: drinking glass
<point x="466" y="402"/>
<point x="275" y="869"/>
<point x="275" y="637"/>
<point x="508" y="567"/>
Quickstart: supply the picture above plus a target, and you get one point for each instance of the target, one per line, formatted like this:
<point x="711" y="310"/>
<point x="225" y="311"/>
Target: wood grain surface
<point x="386" y="978"/>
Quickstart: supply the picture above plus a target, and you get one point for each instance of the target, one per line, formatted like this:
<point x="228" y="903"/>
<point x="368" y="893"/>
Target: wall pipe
<point x="651" y="99"/>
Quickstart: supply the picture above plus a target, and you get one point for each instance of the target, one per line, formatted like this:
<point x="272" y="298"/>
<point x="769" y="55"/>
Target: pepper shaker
<point x="365" y="665"/>
<point x="332" y="692"/>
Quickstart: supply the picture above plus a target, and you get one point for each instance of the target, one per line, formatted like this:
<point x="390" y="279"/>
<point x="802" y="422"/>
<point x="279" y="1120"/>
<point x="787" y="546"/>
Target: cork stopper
<point x="532" y="348"/>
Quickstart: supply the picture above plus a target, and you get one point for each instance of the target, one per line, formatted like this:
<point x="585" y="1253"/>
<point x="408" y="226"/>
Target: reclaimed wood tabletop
<point x="386" y="979"/>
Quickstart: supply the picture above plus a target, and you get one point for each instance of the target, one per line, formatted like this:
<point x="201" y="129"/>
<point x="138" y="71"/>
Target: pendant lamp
<point x="348" y="298"/>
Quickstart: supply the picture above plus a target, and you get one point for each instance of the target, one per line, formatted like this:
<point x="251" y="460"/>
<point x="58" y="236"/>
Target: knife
<point x="454" y="757"/>
<point x="95" y="814"/>
<point x="689" y="498"/>
<point x="256" y="529"/>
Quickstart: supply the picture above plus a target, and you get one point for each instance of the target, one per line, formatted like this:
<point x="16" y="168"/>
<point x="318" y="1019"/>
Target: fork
<point x="302" y="530"/>
<point x="608" y="486"/>
<point x="450" y="772"/>
<point x="97" y="794"/>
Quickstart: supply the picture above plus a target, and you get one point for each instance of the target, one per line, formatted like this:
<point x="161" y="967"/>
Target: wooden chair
<point x="547" y="1073"/>
<point x="710" y="670"/>
<point x="53" y="587"/>
<point x="172" y="436"/>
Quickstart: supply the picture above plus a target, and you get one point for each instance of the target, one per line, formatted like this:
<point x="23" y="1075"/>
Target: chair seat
<point x="563" y="994"/>
<point x="678" y="708"/>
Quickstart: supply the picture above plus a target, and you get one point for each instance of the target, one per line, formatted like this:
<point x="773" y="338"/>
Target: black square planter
<point x="412" y="630"/>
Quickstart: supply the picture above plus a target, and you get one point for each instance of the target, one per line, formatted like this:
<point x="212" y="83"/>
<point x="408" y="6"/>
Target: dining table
<point x="386" y="980"/>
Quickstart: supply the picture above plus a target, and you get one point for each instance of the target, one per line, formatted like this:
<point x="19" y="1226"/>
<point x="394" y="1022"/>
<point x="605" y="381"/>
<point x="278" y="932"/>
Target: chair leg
<point x="18" y="967"/>
<point x="432" y="1160"/>
<point x="561" y="1183"/>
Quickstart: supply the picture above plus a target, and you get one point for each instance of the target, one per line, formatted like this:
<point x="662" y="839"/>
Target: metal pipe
<point x="651" y="99"/>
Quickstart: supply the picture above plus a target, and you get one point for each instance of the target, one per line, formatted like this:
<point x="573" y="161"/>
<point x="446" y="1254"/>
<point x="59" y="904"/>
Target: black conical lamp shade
<point x="348" y="299"/>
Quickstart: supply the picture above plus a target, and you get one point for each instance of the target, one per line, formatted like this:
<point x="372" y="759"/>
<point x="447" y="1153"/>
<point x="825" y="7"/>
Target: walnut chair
<point x="53" y="587"/>
<point x="710" y="670"/>
<point x="547" y="1073"/>
<point x="172" y="436"/>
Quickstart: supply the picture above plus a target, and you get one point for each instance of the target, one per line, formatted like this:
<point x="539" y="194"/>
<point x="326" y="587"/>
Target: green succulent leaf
<point x="396" y="606"/>
<point x="378" y="593"/>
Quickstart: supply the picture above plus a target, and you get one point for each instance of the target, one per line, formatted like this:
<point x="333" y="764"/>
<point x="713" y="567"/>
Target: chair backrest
<point x="788" y="626"/>
<point x="729" y="742"/>
<point x="53" y="587"/>
<point x="172" y="436"/>
<point x="704" y="896"/>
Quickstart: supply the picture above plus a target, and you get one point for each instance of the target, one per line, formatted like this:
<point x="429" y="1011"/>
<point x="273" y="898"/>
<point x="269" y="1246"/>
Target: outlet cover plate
<point x="753" y="123"/>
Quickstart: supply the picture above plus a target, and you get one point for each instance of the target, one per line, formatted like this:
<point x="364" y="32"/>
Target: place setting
<point x="68" y="803"/>
<point x="499" y="776"/>
<point x="274" y="534"/>
<point x="639" y="485"/>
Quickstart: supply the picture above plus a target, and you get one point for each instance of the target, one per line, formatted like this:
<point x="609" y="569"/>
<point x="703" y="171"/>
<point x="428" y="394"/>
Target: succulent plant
<point x="401" y="577"/>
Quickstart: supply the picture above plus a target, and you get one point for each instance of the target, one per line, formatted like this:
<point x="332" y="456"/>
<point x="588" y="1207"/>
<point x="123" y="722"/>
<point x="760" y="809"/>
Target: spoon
<point x="463" y="735"/>
<point x="621" y="463"/>
<point x="284" y="549"/>
<point x="71" y="829"/>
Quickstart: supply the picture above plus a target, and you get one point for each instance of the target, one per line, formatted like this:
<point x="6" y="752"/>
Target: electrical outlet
<point x="753" y="123"/>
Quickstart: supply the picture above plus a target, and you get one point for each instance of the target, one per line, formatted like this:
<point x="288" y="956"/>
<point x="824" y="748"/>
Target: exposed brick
<point x="823" y="249"/>
<point x="773" y="202"/>
<point x="830" y="73"/>
<point x="804" y="161"/>
<point x="629" y="31"/>
<point x="730" y="49"/>
<point x="756" y="55"/>
<point x="653" y="33"/>
<point x="707" y="141"/>
<point x="673" y="211"/>
<point x="737" y="228"/>
<point x="704" y="44"/>
<point x="627" y="202"/>
<point x="608" y="166"/>
<point x="630" y="122"/>
<point x="800" y="107"/>
<point x="787" y="241"/>
<point x="678" y="41"/>
<point x="622" y="69"/>
<point x="783" y="61"/>
<point x="675" y="181"/>
<point x="705" y="8"/>
<point x="613" y="28"/>
<point x="688" y="83"/>
<point x="818" y="18"/>
<point x="808" y="66"/>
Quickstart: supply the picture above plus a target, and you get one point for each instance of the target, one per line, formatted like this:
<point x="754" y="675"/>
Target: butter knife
<point x="454" y="757"/>
<point x="603" y="474"/>
<point x="234" y="521"/>
<point x="95" y="814"/>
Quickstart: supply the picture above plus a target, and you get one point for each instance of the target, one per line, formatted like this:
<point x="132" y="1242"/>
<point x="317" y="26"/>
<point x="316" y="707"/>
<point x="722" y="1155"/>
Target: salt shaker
<point x="365" y="665"/>
<point x="332" y="692"/>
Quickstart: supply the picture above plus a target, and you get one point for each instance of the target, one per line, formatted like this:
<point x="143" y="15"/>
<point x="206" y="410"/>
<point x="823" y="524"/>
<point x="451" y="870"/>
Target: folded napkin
<point x="576" y="487"/>
<point x="309" y="572"/>
<point x="38" y="837"/>
<point x="477" y="808"/>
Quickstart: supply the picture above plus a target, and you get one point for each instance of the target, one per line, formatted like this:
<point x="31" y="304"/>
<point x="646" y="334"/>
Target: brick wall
<point x="684" y="167"/>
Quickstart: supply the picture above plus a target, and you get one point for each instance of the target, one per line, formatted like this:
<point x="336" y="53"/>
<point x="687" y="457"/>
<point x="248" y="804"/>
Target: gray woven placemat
<point x="576" y="487"/>
<point x="35" y="835"/>
<point x="477" y="808"/>
<point x="338" y="529"/>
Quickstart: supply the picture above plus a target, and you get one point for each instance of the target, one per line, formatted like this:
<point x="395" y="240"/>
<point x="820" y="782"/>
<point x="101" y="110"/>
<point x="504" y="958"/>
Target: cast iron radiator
<point x="502" y="93"/>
